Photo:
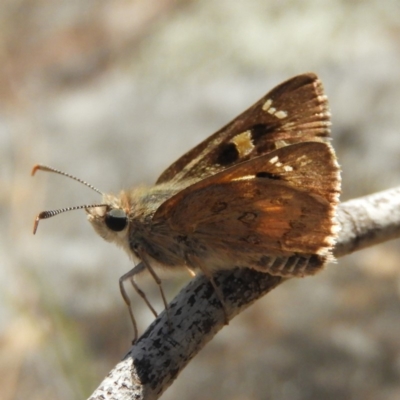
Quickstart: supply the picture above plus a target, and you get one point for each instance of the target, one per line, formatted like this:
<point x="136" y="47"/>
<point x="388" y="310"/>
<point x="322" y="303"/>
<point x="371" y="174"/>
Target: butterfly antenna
<point x="52" y="213"/>
<point x="39" y="167"/>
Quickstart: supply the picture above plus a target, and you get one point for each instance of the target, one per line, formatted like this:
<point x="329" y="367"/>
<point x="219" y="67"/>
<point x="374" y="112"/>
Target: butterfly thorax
<point x="154" y="237"/>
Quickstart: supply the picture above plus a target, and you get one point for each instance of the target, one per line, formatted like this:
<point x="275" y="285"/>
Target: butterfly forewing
<point x="295" y="111"/>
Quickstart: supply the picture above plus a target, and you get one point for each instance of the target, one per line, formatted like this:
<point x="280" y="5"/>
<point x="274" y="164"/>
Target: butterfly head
<point x="111" y="219"/>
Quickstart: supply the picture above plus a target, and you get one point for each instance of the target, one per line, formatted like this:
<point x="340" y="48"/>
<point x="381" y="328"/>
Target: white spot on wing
<point x="267" y="105"/>
<point x="244" y="178"/>
<point x="273" y="160"/>
<point x="281" y="114"/>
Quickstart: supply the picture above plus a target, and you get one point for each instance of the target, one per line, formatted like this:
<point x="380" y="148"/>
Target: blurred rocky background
<point x="115" y="91"/>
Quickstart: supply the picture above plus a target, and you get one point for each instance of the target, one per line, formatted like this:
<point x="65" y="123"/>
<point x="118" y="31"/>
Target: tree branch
<point x="196" y="315"/>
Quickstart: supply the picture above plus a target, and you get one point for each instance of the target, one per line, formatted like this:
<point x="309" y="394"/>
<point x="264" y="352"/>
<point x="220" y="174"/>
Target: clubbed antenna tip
<point x="52" y="213"/>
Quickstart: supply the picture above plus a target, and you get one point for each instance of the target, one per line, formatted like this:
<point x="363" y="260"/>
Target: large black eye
<point x="116" y="220"/>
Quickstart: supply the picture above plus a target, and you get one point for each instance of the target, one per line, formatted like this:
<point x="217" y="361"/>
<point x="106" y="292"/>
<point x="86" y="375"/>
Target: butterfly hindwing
<point x="279" y="205"/>
<point x="294" y="111"/>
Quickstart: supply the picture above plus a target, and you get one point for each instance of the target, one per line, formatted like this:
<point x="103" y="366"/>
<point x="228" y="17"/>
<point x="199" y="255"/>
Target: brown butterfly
<point x="260" y="193"/>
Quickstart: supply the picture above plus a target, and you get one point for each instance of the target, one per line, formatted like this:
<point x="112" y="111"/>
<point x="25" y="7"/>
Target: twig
<point x="196" y="315"/>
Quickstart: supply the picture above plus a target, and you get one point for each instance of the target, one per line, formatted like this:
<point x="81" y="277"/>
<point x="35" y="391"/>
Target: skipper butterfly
<point x="260" y="193"/>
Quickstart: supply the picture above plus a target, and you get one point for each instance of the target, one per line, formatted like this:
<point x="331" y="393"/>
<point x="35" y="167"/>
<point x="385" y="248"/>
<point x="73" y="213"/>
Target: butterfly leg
<point x="143" y="296"/>
<point x="131" y="276"/>
<point x="197" y="264"/>
<point x="146" y="263"/>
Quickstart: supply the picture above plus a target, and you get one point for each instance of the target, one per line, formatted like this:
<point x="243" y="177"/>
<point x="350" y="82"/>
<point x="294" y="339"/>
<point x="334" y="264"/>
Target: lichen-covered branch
<point x="196" y="314"/>
<point x="367" y="221"/>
